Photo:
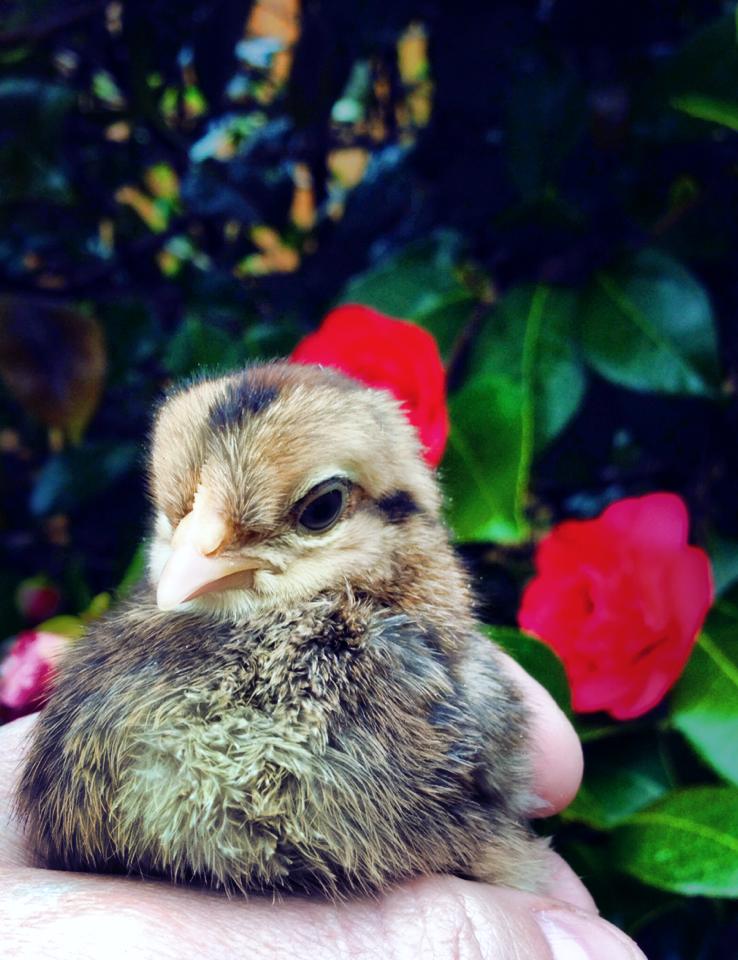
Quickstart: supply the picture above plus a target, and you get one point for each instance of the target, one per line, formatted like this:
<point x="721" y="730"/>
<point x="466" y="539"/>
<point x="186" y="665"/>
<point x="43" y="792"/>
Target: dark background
<point x="170" y="201"/>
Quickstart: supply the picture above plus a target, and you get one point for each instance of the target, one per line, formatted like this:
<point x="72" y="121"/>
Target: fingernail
<point x="576" y="936"/>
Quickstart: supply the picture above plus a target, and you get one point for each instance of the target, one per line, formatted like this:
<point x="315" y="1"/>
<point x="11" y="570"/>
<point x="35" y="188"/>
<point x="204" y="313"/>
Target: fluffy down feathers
<point x="337" y="726"/>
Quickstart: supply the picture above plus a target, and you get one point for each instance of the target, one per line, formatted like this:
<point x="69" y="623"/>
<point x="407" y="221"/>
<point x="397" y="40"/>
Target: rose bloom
<point x="621" y="600"/>
<point x="391" y="354"/>
<point x="37" y="601"/>
<point x="27" y="671"/>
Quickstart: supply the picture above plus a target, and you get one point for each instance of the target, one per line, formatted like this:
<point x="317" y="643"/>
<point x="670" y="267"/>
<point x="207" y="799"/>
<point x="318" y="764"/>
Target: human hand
<point x="73" y="916"/>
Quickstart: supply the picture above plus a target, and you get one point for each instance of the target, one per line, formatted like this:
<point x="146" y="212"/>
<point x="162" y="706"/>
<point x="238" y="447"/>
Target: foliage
<point x="548" y="187"/>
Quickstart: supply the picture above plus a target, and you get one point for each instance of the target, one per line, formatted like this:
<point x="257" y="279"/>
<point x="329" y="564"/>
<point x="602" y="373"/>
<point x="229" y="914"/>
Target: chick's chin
<point x="357" y="554"/>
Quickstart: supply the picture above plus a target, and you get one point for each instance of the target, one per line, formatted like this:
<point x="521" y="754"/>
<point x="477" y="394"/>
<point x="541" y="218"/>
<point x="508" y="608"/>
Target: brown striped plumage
<point x="338" y="724"/>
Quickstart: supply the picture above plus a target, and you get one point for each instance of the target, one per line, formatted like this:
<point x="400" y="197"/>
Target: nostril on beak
<point x="204" y="527"/>
<point x="214" y="534"/>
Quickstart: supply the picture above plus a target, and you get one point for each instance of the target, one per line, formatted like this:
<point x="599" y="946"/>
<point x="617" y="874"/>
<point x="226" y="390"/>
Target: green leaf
<point x="134" y="572"/>
<point x="99" y="605"/>
<point x="447" y="320"/>
<point x="708" y="108"/>
<point x="537" y="659"/>
<point x="704" y="705"/>
<point x="559" y="380"/>
<point x="65" y="625"/>
<point x="619" y="780"/>
<point x="416" y="281"/>
<point x="200" y="343"/>
<point x="484" y="470"/>
<point x="724" y="558"/>
<point x="524" y="385"/>
<point x="530" y="336"/>
<point x="649" y="326"/>
<point x="687" y="842"/>
<point x="262" y="341"/>
<point x="702" y="76"/>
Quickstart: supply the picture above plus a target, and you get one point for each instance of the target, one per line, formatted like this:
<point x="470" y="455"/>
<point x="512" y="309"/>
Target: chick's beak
<point x="196" y="565"/>
<point x="189" y="574"/>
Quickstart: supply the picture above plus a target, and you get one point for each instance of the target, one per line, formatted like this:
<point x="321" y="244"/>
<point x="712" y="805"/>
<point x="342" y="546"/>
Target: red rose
<point x="390" y="354"/>
<point x="621" y="600"/>
<point x="37" y="600"/>
<point x="27" y="671"/>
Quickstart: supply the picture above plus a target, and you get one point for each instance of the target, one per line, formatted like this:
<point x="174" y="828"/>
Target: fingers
<point x="439" y="918"/>
<point x="543" y="927"/>
<point x="565" y="885"/>
<point x="557" y="753"/>
<point x="434" y="917"/>
<point x="472" y="920"/>
<point x="13" y="741"/>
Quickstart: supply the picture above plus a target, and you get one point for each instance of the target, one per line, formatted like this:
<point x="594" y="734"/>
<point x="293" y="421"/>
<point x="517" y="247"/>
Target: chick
<point x="298" y="697"/>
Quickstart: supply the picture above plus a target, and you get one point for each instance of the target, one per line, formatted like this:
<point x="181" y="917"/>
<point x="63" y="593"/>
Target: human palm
<point x="64" y="915"/>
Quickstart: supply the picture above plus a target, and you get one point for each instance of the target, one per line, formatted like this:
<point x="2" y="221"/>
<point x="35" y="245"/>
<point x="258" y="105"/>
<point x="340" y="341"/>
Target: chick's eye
<point x="322" y="508"/>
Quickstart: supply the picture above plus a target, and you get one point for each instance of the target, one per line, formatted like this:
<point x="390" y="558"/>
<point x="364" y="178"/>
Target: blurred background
<point x="549" y="187"/>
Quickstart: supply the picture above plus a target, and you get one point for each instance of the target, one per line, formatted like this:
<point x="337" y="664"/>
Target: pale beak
<point x="197" y="565"/>
<point x="189" y="574"/>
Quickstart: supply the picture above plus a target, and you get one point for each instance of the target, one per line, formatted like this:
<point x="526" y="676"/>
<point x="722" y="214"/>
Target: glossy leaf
<point x="483" y="472"/>
<point x="704" y="705"/>
<point x="447" y="320"/>
<point x="530" y="337"/>
<point x="621" y="777"/>
<point x="53" y="361"/>
<point x="648" y="325"/>
<point x="701" y="78"/>
<point x="687" y="842"/>
<point x="723" y="553"/>
<point x="414" y="282"/>
<point x="722" y="112"/>
<point x="524" y="385"/>
<point x="199" y="344"/>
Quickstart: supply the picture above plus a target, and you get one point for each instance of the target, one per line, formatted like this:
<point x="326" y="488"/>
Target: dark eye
<point x="322" y="507"/>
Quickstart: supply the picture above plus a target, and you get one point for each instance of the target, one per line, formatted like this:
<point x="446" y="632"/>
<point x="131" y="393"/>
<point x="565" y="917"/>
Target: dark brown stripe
<point x="398" y="506"/>
<point x="242" y="397"/>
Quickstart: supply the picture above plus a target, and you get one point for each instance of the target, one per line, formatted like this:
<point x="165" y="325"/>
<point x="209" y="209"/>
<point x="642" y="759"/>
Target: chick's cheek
<point x="266" y="582"/>
<point x="159" y="553"/>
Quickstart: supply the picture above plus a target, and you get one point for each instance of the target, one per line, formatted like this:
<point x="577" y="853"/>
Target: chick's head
<point x="281" y="482"/>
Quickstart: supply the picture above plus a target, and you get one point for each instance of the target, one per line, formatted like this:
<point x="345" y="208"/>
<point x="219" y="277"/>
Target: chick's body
<point x="329" y="719"/>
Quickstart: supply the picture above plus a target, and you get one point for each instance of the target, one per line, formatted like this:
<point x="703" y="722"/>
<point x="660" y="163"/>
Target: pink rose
<point x="27" y="672"/>
<point x="621" y="599"/>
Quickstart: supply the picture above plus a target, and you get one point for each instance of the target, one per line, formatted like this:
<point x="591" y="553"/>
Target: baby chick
<point x="298" y="698"/>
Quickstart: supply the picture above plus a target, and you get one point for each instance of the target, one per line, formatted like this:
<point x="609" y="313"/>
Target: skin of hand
<point x="74" y="916"/>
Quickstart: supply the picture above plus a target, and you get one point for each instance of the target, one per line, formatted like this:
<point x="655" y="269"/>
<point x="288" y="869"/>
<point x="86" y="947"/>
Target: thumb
<point x="462" y="919"/>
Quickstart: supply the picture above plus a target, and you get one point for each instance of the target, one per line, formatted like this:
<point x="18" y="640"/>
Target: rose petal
<point x="621" y="599"/>
<point x="386" y="354"/>
<point x="658" y="520"/>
